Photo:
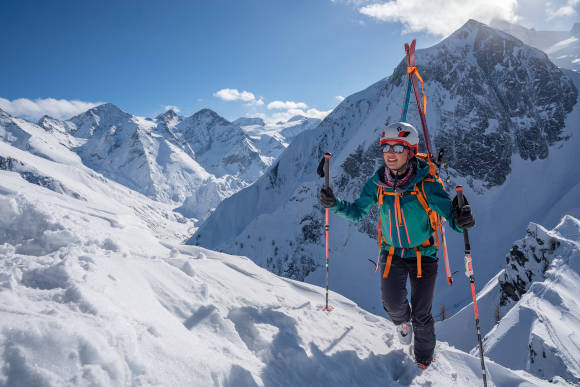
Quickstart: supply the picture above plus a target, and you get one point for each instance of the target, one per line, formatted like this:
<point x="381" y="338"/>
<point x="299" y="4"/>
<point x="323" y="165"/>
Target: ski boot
<point x="405" y="333"/>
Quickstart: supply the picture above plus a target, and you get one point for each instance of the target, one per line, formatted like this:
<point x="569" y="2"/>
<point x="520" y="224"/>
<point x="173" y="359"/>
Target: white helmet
<point x="401" y="132"/>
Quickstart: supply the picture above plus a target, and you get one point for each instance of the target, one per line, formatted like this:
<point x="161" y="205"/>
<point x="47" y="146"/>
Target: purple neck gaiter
<point x="399" y="181"/>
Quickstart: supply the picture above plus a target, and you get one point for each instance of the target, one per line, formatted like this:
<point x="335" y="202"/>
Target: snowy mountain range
<point x="506" y="116"/>
<point x="96" y="289"/>
<point x="192" y="162"/>
<point x="273" y="138"/>
<point x="563" y="47"/>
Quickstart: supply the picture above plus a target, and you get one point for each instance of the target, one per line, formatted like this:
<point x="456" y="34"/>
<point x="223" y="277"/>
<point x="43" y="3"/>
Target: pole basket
<point x="325" y="308"/>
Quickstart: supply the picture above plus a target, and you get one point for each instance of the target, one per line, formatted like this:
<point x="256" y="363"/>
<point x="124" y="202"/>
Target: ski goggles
<point x="397" y="148"/>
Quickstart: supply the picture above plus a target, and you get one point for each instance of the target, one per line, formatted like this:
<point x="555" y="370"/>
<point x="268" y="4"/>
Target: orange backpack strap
<point x="389" y="260"/>
<point x="419" y="273"/>
<point x="380" y="192"/>
<point x="422" y="197"/>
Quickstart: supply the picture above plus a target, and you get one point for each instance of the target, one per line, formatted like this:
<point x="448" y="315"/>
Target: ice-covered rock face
<point x="526" y="263"/>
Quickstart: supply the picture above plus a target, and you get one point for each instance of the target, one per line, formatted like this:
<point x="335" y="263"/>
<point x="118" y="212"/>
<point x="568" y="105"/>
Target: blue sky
<point x="237" y="57"/>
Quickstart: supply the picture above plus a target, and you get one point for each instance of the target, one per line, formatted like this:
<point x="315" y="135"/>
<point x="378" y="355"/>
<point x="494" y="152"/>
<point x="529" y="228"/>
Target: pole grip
<point x="327" y="157"/>
<point x="460" y="203"/>
<point x="460" y="200"/>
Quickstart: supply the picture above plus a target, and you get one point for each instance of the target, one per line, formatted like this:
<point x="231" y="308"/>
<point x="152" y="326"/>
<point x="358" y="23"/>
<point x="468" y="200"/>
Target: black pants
<point x="394" y="294"/>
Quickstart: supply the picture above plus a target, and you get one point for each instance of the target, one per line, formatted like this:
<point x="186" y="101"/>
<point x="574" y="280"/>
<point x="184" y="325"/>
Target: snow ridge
<point x="529" y="311"/>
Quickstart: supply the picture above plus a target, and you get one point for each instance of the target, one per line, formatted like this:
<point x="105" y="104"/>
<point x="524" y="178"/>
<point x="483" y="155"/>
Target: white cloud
<point x="340" y="98"/>
<point x="235" y="95"/>
<point x="259" y="102"/>
<point x="287" y="105"/>
<point x="561" y="10"/>
<point x="171" y="107"/>
<point x="35" y="109"/>
<point x="440" y="17"/>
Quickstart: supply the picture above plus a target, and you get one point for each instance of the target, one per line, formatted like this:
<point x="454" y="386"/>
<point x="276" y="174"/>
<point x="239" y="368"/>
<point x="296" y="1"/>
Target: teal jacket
<point x="414" y="228"/>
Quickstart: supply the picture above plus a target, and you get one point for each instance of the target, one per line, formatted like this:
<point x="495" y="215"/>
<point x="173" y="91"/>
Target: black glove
<point x="463" y="216"/>
<point x="327" y="198"/>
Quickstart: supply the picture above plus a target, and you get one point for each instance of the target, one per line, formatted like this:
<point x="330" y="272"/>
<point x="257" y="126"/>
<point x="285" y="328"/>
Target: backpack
<point x="435" y="220"/>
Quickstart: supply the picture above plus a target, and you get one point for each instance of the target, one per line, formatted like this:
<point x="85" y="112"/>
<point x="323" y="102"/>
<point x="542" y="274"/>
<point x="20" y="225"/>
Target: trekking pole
<point x="327" y="157"/>
<point x="469" y="273"/>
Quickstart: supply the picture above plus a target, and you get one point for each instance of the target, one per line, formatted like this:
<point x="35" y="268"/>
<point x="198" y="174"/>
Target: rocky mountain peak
<point x="45" y="118"/>
<point x="526" y="262"/>
<point x="168" y="115"/>
<point x="106" y="113"/>
<point x="474" y="35"/>
<point x="206" y="125"/>
<point x="208" y="114"/>
<point x="48" y="120"/>
<point x="50" y="124"/>
<point x="107" y="108"/>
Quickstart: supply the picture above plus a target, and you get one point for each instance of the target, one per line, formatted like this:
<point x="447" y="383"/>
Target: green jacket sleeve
<point x="361" y="207"/>
<point x="440" y="202"/>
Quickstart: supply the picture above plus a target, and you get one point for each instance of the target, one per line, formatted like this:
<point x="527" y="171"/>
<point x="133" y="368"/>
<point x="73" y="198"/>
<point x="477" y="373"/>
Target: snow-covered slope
<point x="530" y="312"/>
<point x="563" y="47"/>
<point x="96" y="290"/>
<point x="506" y="116"/>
